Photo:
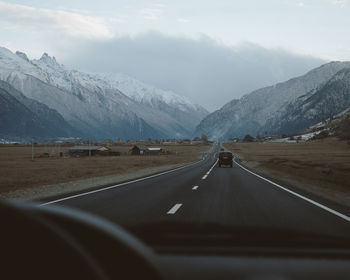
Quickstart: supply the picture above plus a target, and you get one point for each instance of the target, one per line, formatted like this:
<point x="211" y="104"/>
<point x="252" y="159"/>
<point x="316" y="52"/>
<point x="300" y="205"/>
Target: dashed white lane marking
<point x="173" y="210"/>
<point x="195" y="187"/>
<point x="340" y="215"/>
<point x="211" y="168"/>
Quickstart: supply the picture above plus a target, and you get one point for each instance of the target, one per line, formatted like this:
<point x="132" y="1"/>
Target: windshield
<point x="189" y="123"/>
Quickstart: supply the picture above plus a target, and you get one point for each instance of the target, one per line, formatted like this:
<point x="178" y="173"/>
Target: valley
<point x="18" y="171"/>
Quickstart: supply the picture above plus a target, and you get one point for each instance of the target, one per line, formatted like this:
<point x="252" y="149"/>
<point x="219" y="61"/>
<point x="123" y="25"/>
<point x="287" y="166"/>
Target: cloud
<point x="68" y="23"/>
<point x="201" y="69"/>
<point x="183" y="20"/>
<point x="151" y="13"/>
<point x="341" y="2"/>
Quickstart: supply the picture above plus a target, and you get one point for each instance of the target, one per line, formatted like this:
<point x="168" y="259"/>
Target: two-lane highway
<point x="203" y="193"/>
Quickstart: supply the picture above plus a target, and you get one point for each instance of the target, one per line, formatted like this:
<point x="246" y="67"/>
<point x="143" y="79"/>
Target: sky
<point x="209" y="51"/>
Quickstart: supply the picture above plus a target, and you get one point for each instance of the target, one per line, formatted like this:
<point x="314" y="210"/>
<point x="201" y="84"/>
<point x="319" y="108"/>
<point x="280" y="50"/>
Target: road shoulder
<point x="335" y="199"/>
<point x="54" y="191"/>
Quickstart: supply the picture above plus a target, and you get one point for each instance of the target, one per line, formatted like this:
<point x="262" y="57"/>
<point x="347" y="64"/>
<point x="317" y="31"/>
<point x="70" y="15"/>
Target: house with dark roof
<point x="143" y="150"/>
<point x="88" y="150"/>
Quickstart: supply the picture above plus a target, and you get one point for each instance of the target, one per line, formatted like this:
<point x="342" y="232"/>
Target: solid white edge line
<point x="173" y="210"/>
<point x="334" y="212"/>
<point x="118" y="185"/>
<point x="195" y="188"/>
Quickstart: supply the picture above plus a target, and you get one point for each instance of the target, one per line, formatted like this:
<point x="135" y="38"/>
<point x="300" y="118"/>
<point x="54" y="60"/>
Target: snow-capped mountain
<point x="88" y="102"/>
<point x="316" y="106"/>
<point x="178" y="107"/>
<point x="254" y="111"/>
<point x="24" y="118"/>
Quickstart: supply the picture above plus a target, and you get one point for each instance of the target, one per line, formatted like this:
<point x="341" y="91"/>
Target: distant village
<point x="138" y="147"/>
<point x="76" y="147"/>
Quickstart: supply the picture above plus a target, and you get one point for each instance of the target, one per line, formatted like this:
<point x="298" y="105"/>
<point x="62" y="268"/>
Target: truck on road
<point x="225" y="158"/>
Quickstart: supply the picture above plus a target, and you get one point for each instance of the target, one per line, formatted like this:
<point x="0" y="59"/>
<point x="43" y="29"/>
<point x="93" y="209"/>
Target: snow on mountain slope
<point x="24" y="118"/>
<point x="173" y="124"/>
<point x="316" y="106"/>
<point x="179" y="107"/>
<point x="249" y="114"/>
<point x="94" y="104"/>
<point x="145" y="93"/>
<point x="179" y="116"/>
<point x="98" y="112"/>
<point x="10" y="63"/>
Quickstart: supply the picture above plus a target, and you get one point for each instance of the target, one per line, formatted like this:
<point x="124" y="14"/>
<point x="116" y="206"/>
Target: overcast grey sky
<point x="207" y="72"/>
<point x="275" y="38"/>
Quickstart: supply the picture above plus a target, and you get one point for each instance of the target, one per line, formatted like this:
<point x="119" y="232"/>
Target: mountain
<point x="178" y="107"/>
<point x="340" y="125"/>
<point x="88" y="102"/>
<point x="337" y="125"/>
<point x="254" y="111"/>
<point x="316" y="106"/>
<point x="22" y="117"/>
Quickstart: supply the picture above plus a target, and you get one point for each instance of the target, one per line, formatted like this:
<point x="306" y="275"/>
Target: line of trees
<point x="204" y="138"/>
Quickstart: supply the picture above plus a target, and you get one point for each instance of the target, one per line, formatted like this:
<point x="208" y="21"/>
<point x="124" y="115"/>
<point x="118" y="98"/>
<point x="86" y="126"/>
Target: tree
<point x="196" y="138"/>
<point x="204" y="138"/>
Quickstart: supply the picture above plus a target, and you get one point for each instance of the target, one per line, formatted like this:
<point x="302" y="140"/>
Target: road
<point x="204" y="193"/>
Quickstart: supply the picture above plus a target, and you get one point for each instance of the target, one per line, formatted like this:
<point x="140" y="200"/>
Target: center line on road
<point x="174" y="209"/>
<point x="195" y="187"/>
<point x="206" y="175"/>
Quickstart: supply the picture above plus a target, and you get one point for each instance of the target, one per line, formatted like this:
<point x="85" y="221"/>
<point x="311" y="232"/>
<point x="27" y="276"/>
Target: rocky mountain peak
<point x="48" y="59"/>
<point x="22" y="55"/>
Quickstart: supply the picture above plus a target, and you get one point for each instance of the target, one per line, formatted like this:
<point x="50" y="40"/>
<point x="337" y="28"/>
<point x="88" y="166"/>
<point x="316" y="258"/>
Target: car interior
<point x="61" y="243"/>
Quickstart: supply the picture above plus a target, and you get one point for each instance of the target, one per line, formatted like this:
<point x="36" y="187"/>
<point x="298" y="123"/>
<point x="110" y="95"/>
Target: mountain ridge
<point x="249" y="114"/>
<point x="22" y="117"/>
<point x="316" y="106"/>
<point x="90" y="103"/>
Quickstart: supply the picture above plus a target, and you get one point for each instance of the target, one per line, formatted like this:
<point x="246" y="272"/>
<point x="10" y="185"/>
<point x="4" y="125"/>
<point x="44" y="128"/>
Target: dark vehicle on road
<point x="225" y="158"/>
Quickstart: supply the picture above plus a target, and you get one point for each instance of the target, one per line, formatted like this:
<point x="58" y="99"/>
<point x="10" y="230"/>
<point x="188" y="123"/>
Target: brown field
<point x="18" y="171"/>
<point x="321" y="166"/>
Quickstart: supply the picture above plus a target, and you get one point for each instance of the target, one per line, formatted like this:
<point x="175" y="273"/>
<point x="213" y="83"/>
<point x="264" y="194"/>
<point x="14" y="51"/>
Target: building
<point x="154" y="151"/>
<point x="143" y="150"/>
<point x="88" y="150"/>
<point x="138" y="150"/>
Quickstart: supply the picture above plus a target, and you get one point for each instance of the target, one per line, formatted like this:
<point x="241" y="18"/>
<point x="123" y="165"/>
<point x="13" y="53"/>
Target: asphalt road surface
<point x="205" y="193"/>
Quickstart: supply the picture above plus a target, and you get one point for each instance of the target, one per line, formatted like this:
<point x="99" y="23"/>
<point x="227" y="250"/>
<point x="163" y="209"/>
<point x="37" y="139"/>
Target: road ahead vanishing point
<point x="203" y="193"/>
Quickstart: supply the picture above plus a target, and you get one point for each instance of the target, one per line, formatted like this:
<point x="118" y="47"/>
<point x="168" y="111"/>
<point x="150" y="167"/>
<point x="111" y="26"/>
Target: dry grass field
<point x="18" y="171"/>
<point x="324" y="164"/>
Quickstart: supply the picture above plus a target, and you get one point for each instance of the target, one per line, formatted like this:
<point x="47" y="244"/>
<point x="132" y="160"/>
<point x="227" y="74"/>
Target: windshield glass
<point x="188" y="123"/>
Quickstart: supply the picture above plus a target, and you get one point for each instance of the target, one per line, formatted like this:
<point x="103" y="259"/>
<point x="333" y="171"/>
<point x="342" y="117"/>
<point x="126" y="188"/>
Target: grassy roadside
<point x="319" y="167"/>
<point x="17" y="171"/>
